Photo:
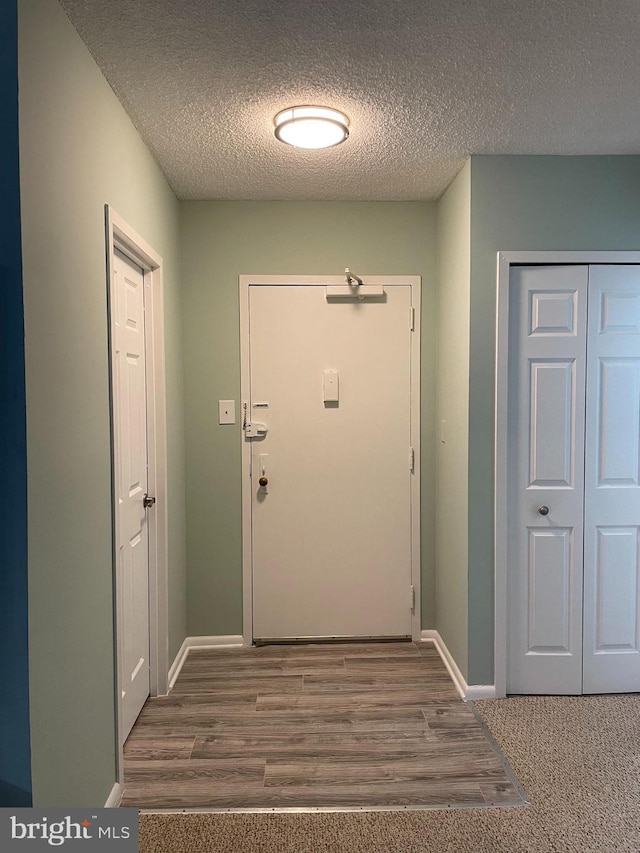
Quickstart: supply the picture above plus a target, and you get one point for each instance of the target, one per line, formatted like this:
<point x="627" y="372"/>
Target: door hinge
<point x="412" y="319"/>
<point x="412" y="459"/>
<point x="412" y="598"/>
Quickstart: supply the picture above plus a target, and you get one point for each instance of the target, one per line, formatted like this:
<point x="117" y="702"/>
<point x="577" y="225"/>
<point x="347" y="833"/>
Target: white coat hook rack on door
<point x="354" y="289"/>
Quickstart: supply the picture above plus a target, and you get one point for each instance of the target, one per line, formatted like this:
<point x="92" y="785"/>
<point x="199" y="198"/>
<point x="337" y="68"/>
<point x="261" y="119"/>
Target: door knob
<point x="263" y="481"/>
<point x="148" y="501"/>
<point x="543" y="510"/>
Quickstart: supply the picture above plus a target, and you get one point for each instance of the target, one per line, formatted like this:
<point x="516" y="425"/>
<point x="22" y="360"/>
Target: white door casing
<point x="595" y="605"/>
<point x="341" y="491"/>
<point x="121" y="238"/>
<point x="133" y="545"/>
<point x="612" y="482"/>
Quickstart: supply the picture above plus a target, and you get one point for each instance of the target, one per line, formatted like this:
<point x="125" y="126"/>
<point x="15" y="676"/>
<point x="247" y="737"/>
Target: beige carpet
<point x="578" y="759"/>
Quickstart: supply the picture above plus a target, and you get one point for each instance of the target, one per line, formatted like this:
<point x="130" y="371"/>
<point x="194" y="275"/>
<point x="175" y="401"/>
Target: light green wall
<point x="452" y="437"/>
<point x="220" y="241"/>
<point x="79" y="150"/>
<point x="520" y="203"/>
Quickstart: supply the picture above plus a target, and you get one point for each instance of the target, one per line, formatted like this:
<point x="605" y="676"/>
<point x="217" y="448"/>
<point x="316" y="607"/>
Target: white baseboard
<point x="221" y="642"/>
<point x="225" y="641"/>
<point x="115" y="797"/>
<point x="431" y="636"/>
<point x="466" y="691"/>
<point x="481" y="691"/>
<point x="176" y="666"/>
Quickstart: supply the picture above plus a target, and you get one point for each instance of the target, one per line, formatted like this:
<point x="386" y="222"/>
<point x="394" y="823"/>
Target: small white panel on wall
<point x="331" y="382"/>
<point x="227" y="411"/>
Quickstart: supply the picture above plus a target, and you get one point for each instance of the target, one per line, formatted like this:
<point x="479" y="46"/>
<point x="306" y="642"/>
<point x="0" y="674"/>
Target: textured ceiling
<point x="424" y="82"/>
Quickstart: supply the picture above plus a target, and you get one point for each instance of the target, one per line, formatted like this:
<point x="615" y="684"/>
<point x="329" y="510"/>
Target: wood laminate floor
<point x="358" y="725"/>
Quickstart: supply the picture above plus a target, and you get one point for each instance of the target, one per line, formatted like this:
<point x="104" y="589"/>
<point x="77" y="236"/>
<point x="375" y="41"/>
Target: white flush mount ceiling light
<point x="311" y="127"/>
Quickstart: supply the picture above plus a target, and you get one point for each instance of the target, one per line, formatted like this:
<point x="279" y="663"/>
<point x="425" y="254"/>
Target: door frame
<point x="120" y="235"/>
<point x="413" y="281"/>
<point x="501" y="496"/>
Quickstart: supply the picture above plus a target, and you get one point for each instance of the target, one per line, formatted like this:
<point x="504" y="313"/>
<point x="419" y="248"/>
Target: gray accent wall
<point x="525" y="203"/>
<point x="220" y="241"/>
<point x="15" y="755"/>
<point x="79" y="151"/>
<point x="452" y="415"/>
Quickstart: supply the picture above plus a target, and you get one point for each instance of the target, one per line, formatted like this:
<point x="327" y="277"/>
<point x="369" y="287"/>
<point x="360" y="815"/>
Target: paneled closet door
<point x="612" y="482"/>
<point x="548" y="310"/>
<point x="574" y="548"/>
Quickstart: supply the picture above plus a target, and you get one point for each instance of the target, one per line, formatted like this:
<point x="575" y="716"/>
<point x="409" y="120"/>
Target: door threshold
<point x="356" y="638"/>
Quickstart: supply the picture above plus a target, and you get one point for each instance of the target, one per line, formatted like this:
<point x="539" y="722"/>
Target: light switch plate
<point x="227" y="411"/>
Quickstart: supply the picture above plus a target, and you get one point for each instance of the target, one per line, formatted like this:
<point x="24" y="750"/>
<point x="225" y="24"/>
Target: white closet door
<point x="612" y="483"/>
<point x="546" y="453"/>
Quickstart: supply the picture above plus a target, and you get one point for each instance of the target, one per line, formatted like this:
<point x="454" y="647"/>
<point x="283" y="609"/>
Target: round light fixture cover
<point x="311" y="127"/>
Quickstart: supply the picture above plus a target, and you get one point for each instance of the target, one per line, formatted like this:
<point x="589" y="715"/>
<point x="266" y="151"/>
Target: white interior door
<point x="612" y="485"/>
<point x="546" y="464"/>
<point x="331" y="531"/>
<point x="131" y="453"/>
<point x="574" y="572"/>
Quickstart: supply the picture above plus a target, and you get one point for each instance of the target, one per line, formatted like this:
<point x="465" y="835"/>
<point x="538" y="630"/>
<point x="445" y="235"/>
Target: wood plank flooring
<point x="358" y="725"/>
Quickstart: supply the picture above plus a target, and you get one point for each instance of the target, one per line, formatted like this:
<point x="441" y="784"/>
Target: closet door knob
<point x="543" y="510"/>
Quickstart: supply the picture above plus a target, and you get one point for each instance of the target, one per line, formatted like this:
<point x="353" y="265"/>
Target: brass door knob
<point x="263" y="481"/>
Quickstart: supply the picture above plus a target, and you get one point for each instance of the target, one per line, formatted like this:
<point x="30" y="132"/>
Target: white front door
<point x="131" y="458"/>
<point x="573" y="568"/>
<point x="331" y="530"/>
